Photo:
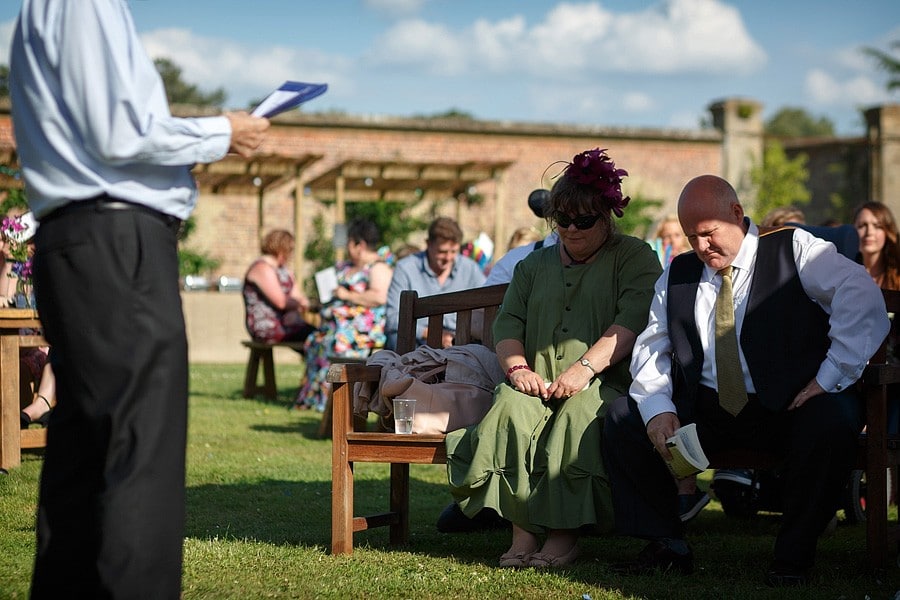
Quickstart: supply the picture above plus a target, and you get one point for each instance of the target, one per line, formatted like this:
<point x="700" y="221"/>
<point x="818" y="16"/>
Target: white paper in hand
<point x="290" y="95"/>
<point x="326" y="283"/>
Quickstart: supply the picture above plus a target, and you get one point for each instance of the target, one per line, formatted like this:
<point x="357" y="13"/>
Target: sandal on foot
<point x="542" y="560"/>
<point x="514" y="560"/>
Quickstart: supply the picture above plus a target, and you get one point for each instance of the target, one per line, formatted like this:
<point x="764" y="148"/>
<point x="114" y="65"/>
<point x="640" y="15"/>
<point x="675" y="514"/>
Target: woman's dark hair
<point x="362" y="230"/>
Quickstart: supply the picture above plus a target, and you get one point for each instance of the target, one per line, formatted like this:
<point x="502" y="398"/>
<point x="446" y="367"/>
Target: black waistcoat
<point x="784" y="336"/>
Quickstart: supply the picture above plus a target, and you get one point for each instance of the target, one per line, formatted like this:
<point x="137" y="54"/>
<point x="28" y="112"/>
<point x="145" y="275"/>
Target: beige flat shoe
<point x="542" y="560"/>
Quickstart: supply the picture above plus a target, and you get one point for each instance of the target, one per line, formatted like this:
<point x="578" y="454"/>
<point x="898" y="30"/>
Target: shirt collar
<point x="430" y="272"/>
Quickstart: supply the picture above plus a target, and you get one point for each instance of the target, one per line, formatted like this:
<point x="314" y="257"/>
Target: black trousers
<point x="111" y="510"/>
<point x="817" y="441"/>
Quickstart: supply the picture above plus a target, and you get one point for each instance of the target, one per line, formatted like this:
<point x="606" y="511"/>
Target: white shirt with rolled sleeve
<point x="842" y="288"/>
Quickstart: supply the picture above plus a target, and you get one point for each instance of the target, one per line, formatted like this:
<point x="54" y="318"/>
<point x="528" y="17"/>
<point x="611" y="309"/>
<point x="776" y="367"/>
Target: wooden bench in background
<point x="350" y="444"/>
<point x="877" y="450"/>
<point x="13" y="439"/>
<point x="262" y="352"/>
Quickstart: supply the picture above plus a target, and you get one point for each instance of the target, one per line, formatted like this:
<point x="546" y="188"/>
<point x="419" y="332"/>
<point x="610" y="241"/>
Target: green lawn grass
<point x="259" y="526"/>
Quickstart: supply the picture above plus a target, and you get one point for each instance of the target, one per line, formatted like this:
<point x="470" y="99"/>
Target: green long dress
<point x="541" y="467"/>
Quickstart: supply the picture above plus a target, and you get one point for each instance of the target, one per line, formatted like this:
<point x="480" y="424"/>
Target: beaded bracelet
<point x="515" y="368"/>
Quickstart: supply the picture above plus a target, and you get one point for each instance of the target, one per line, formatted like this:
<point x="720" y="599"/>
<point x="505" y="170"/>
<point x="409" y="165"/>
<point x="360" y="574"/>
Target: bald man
<point x="806" y="319"/>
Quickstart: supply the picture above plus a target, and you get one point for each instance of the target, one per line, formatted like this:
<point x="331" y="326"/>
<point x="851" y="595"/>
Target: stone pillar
<point x="883" y="133"/>
<point x="740" y="121"/>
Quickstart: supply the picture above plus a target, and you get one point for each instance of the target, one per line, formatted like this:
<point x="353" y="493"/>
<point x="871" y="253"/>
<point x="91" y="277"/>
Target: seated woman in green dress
<point x="565" y="330"/>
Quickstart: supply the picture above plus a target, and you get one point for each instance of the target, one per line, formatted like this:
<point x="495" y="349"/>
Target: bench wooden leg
<point x="251" y="387"/>
<point x="269" y="390"/>
<point x="10" y="434"/>
<point x="250" y="373"/>
<point x="400" y="502"/>
<point x="341" y="475"/>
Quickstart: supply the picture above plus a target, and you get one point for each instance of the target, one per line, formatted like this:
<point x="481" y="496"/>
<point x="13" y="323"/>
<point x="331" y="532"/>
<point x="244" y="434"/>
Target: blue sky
<point x="620" y="63"/>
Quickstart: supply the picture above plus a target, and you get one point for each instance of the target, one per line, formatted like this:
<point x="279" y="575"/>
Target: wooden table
<point x="12" y="438"/>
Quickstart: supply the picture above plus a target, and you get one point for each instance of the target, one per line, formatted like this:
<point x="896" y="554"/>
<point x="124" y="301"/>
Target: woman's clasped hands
<point x="571" y="381"/>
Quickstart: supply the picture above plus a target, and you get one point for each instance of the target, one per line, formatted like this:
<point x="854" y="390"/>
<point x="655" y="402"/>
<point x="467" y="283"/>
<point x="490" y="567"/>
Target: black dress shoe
<point x="657" y="557"/>
<point x="783" y="574"/>
<point x="454" y="520"/>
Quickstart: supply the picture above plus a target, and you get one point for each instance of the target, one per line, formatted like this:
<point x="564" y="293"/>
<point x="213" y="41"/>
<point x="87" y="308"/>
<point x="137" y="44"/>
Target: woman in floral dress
<point x="353" y="322"/>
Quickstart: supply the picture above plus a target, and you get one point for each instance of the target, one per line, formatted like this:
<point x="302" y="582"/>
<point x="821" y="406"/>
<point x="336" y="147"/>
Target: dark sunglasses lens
<point x="582" y="222"/>
<point x="585" y="222"/>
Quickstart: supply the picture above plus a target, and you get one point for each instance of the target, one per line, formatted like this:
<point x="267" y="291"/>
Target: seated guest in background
<point x="44" y="399"/>
<point x="273" y="302"/>
<point x="879" y="243"/>
<point x="783" y="215"/>
<point x="438" y="269"/>
<point x="879" y="252"/>
<point x="758" y="337"/>
<point x="353" y="321"/>
<point x="566" y="328"/>
<point x="523" y="236"/>
<point x="502" y="270"/>
<point x="669" y="240"/>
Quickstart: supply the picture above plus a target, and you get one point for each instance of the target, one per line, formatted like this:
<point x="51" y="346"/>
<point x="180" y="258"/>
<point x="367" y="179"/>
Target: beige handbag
<point x="441" y="407"/>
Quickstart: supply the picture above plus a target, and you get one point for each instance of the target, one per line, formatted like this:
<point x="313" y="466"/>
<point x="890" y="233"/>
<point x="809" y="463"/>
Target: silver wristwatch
<point x="586" y="363"/>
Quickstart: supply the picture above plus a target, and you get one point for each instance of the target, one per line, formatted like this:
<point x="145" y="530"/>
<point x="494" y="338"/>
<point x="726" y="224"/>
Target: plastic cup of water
<point x="404" y="410"/>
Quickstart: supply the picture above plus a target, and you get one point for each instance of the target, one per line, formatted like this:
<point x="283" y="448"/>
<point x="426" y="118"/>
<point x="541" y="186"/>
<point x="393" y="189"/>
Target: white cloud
<point x="395" y="7"/>
<point x="425" y="46"/>
<point x="675" y="37"/>
<point x="825" y="89"/>
<point x="244" y="71"/>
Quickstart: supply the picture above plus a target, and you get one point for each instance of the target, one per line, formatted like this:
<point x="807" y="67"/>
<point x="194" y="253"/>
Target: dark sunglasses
<point x="582" y="222"/>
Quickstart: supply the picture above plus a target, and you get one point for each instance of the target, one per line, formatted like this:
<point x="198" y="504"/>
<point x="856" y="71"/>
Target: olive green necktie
<point x="730" y="376"/>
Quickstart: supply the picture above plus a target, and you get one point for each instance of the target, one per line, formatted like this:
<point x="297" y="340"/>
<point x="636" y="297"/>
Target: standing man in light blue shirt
<point x="436" y="270"/>
<point x="107" y="174"/>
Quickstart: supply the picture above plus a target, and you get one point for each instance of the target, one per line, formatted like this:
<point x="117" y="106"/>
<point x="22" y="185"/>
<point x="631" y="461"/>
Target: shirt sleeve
<point x="651" y="360"/>
<point x="116" y="97"/>
<point x="856" y="313"/>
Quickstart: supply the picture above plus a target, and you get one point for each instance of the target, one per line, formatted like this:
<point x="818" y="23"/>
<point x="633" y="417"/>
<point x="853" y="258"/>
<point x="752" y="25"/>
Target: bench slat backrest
<point x="470" y="325"/>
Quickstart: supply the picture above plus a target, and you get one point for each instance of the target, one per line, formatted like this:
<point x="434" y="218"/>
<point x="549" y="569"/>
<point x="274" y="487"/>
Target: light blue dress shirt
<point x="90" y="113"/>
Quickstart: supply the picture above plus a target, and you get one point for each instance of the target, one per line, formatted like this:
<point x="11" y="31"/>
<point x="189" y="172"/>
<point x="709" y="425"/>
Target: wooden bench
<point x="877" y="451"/>
<point x="262" y="352"/>
<point x="351" y="444"/>
<point x="13" y="439"/>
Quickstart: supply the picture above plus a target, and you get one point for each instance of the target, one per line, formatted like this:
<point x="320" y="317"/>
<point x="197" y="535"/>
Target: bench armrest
<point x="353" y="373"/>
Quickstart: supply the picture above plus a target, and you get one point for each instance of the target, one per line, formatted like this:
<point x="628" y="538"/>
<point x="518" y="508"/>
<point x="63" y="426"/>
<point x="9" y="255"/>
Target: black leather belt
<point x="106" y="203"/>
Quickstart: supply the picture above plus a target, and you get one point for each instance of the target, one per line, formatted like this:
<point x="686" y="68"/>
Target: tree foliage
<point x="192" y="262"/>
<point x="791" y="122"/>
<point x="779" y="181"/>
<point x="639" y="216"/>
<point x="887" y="63"/>
<point x="178" y="91"/>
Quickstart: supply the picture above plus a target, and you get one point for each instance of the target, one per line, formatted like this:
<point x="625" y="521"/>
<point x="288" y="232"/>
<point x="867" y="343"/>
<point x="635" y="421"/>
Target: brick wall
<point x="659" y="163"/>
